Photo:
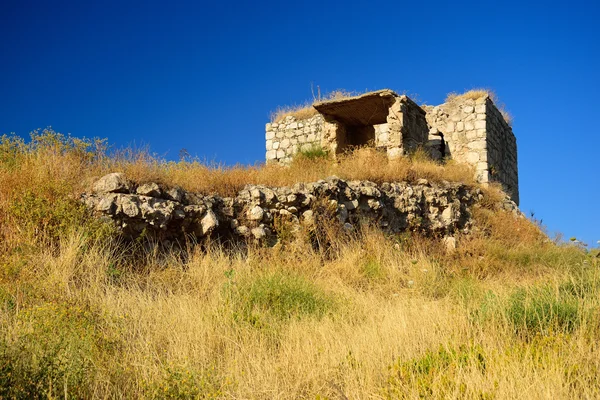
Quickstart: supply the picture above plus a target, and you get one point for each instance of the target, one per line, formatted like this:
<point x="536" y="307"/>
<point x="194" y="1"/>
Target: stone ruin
<point x="471" y="131"/>
<point x="173" y="215"/>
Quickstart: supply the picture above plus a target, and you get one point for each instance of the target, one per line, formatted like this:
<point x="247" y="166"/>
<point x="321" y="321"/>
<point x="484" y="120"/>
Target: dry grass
<point x="306" y="110"/>
<point x="478" y="93"/>
<point x="372" y="316"/>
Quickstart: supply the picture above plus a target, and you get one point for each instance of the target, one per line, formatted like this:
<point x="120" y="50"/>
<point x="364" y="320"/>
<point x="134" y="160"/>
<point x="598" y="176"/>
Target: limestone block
<point x="280" y="153"/>
<point x="481" y="117"/>
<point x="279" y="134"/>
<point x="450" y="127"/>
<point x="481" y="133"/>
<point x="481" y="166"/>
<point x="275" y="145"/>
<point x="468" y="109"/>
<point x="471" y="135"/>
<point x="472" y="157"/>
<point x="270" y="135"/>
<point x="285" y="143"/>
<point x="271" y="154"/>
<point x="293" y="125"/>
<point x="460" y="126"/>
<point x="480" y="124"/>
<point x="112" y="183"/>
<point x="268" y="127"/>
<point x="269" y="144"/>
<point x="469" y="126"/>
<point x="478" y="145"/>
<point x="274" y="125"/>
<point x="311" y="138"/>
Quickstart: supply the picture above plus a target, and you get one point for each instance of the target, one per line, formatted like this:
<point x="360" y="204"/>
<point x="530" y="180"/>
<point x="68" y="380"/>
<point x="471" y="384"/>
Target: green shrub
<point x="52" y="352"/>
<point x="372" y="270"/>
<point x="435" y="373"/>
<point x="542" y="311"/>
<point x="183" y="382"/>
<point x="280" y="296"/>
<point x="313" y="152"/>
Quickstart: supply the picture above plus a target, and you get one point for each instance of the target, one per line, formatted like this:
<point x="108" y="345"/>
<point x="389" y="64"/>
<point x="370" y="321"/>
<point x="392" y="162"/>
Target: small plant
<point x="280" y="296"/>
<point x="435" y="373"/>
<point x="313" y="152"/>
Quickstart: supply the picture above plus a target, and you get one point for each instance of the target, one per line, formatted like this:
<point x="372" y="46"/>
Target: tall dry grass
<point x="82" y="315"/>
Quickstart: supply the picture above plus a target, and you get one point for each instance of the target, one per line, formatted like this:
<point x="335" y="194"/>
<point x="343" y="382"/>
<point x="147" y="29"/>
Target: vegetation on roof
<point x="478" y="93"/>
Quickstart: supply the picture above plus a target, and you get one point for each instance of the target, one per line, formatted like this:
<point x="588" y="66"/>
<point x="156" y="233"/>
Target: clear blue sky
<point x="204" y="76"/>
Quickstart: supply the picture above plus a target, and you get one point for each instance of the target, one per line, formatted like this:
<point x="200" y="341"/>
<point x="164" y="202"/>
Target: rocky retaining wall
<point x="173" y="214"/>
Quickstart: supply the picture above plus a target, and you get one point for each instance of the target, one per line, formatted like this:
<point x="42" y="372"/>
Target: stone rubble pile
<point x="173" y="213"/>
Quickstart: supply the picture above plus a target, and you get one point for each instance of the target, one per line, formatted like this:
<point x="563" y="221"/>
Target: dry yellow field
<point x="509" y="314"/>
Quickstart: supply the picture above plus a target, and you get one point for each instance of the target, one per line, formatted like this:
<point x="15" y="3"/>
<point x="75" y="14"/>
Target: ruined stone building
<point x="467" y="130"/>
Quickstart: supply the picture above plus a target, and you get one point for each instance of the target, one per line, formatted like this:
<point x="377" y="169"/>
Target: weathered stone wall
<point x="502" y="151"/>
<point x="476" y="133"/>
<point x="414" y="125"/>
<point x="287" y="137"/>
<point x="174" y="214"/>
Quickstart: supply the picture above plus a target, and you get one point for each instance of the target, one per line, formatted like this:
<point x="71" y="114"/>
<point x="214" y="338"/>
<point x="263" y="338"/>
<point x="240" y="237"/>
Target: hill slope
<point x="85" y="313"/>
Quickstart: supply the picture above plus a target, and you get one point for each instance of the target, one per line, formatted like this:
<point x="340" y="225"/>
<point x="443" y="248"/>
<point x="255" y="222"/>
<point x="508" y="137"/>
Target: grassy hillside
<point x="83" y="314"/>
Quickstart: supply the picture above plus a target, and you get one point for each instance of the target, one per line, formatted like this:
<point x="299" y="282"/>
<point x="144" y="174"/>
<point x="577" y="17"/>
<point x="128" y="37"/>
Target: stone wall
<point x="287" y="137"/>
<point x="174" y="214"/>
<point x="475" y="133"/>
<point x="502" y="151"/>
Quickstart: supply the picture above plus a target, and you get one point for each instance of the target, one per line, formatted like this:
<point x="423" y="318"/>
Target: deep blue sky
<point x="204" y="76"/>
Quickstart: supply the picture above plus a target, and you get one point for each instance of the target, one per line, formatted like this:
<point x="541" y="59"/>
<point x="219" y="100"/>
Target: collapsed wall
<point x="175" y="214"/>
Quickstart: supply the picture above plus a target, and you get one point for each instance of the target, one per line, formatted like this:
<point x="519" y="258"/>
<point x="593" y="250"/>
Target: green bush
<point x="434" y="374"/>
<point x="542" y="311"/>
<point x="313" y="152"/>
<point x="183" y="382"/>
<point x="53" y="354"/>
<point x="280" y="297"/>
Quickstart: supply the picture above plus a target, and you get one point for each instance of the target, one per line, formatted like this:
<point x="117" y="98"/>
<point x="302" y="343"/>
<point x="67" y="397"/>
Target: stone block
<point x="480" y="108"/>
<point x="471" y="135"/>
<point x="270" y="135"/>
<point x="450" y="127"/>
<point x="478" y="145"/>
<point x="460" y="126"/>
<point x="271" y="154"/>
<point x="468" y="109"/>
<point x="275" y="145"/>
<point x="472" y="157"/>
<point x="269" y="144"/>
<point x="481" y="117"/>
<point x="280" y="153"/>
<point x="480" y="124"/>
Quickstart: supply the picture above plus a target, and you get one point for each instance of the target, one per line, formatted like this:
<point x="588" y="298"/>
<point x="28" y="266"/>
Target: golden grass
<point x="306" y="110"/>
<point x="372" y="316"/>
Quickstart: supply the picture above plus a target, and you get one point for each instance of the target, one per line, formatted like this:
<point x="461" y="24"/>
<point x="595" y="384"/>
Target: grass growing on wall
<point x="509" y="314"/>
